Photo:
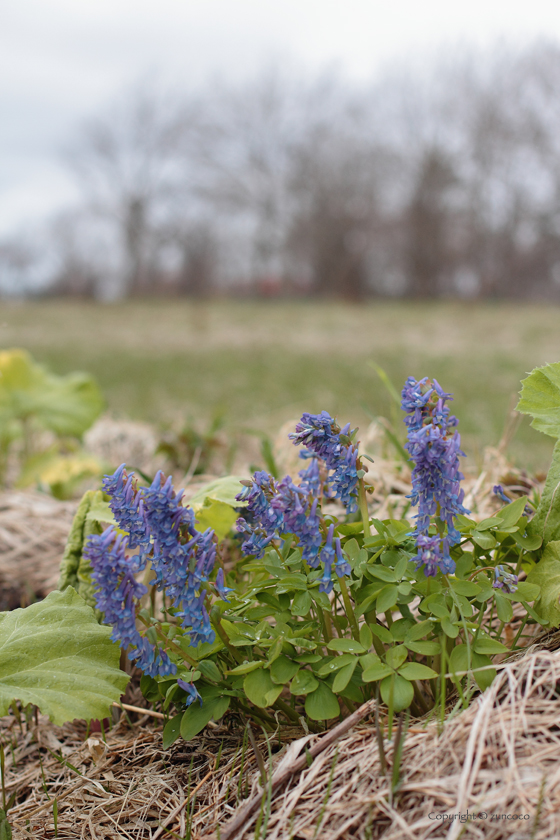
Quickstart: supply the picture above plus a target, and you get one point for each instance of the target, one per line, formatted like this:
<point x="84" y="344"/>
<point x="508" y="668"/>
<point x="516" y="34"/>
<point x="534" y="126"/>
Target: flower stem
<point x="348" y="609"/>
<point x="362" y="501"/>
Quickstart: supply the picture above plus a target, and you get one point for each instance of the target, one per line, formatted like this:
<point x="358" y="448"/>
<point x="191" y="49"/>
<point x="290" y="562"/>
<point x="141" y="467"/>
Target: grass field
<point x="265" y="363"/>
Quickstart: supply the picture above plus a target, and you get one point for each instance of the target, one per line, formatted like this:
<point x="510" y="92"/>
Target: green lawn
<point x="265" y="363"/>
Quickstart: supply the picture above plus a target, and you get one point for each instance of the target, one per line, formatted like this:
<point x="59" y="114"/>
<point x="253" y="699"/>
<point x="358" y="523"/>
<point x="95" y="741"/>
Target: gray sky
<point x="61" y="60"/>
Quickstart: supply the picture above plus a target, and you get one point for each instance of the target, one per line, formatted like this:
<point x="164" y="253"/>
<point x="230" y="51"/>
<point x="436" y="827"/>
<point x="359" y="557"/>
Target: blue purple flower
<point x="504" y="580"/>
<point x="192" y="692"/>
<point x="434" y="446"/>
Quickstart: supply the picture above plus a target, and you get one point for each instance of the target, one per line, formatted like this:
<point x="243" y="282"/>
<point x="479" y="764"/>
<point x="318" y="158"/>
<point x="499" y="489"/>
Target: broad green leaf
<point x="382" y="633"/>
<point x="64" y="473"/>
<point x="464" y="587"/>
<point x="247" y="667"/>
<point x="417" y="671"/>
<point x="283" y="669"/>
<point x="377" y="671"/>
<point x="55" y="655"/>
<point x="546" y="521"/>
<point x="383" y="573"/>
<point x="546" y="574"/>
<point x="346" y="646"/>
<point x="529" y="543"/>
<point x="260" y="689"/>
<point x="196" y="716"/>
<point x="540" y="398"/>
<point x="424" y="648"/>
<point x="459" y="661"/>
<point x="335" y="664"/>
<point x="387" y="598"/>
<point x="220" y="490"/>
<point x="366" y="636"/>
<point x="66" y="405"/>
<point x="449" y="628"/>
<point x="419" y="631"/>
<point x="527" y="591"/>
<point x="301" y="603"/>
<point x="503" y="607"/>
<point x="99" y="510"/>
<point x="322" y="704"/>
<point x="485" y="524"/>
<point x="171" y="731"/>
<point x="216" y="515"/>
<point x="210" y="670"/>
<point x="396" y="656"/>
<point x="343" y="677"/>
<point x="490" y="647"/>
<point x="401" y="690"/>
<point x="303" y="683"/>
<point x="512" y="513"/>
<point x="400" y="628"/>
<point x="483" y="539"/>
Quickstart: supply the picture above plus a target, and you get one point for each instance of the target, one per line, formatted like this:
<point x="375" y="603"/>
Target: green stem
<point x="362" y="501"/>
<point x="290" y="713"/>
<point x="169" y="643"/>
<point x="348" y="609"/>
<point x="223" y="636"/>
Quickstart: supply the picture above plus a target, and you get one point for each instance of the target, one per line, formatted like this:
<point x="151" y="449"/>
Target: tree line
<point x="437" y="180"/>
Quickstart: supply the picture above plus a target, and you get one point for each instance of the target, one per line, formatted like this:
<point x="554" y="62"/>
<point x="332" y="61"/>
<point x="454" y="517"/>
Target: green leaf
<point x="485" y="524"/>
<point x="260" y="689"/>
<point x="196" y="717"/>
<point x="66" y="405"/>
<point x="171" y="731"/>
<point x="247" y="667"/>
<point x="74" y="569"/>
<point x="382" y="573"/>
<point x="540" y="398"/>
<point x="546" y="574"/>
<point x="458" y="661"/>
<point x="449" y="628"/>
<point x="529" y="543"/>
<point x="483" y="539"/>
<point x="322" y="704"/>
<point x="303" y="683"/>
<point x="217" y="515"/>
<point x="527" y="591"/>
<point x="210" y="670"/>
<point x="382" y="633"/>
<point x="283" y="669"/>
<point x="220" y="490"/>
<point x="419" y="631"/>
<point x="55" y="655"/>
<point x="424" y="648"/>
<point x="489" y="646"/>
<point x="335" y="664"/>
<point x="343" y="677"/>
<point x="464" y="587"/>
<point x="546" y="521"/>
<point x="512" y="513"/>
<point x="417" y="671"/>
<point x="301" y="603"/>
<point x="376" y="671"/>
<point x="346" y="646"/>
<point x="387" y="598"/>
<point x="503" y="607"/>
<point x="366" y="636"/>
<point x="396" y="656"/>
<point x="401" y="690"/>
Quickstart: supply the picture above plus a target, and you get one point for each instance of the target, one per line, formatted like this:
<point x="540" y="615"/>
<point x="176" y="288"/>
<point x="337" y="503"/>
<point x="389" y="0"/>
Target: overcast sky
<point x="61" y="60"/>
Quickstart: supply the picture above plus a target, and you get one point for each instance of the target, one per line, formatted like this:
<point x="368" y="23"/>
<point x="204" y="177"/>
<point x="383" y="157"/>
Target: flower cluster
<point x="434" y="446"/>
<point x="325" y="440"/>
<point x="275" y="508"/>
<point x="118" y="593"/>
<point x="181" y="558"/>
<point x="504" y="580"/>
